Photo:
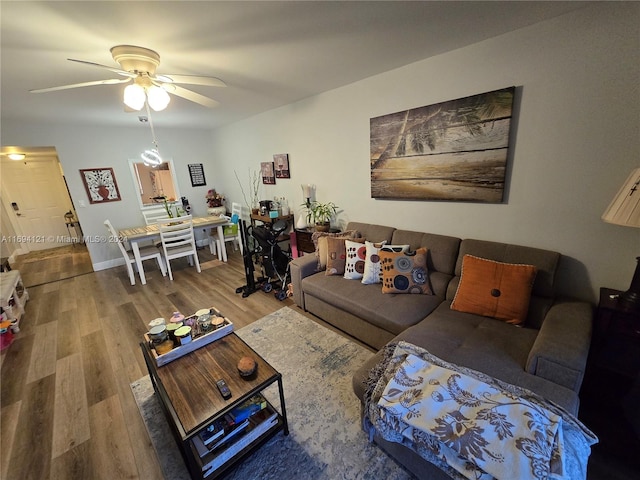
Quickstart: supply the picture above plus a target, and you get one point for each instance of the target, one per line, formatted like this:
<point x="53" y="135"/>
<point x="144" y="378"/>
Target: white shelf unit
<point x="13" y="295"/>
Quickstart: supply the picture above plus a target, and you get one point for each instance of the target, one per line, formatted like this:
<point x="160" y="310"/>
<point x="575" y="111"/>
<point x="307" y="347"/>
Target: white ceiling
<point x="269" y="53"/>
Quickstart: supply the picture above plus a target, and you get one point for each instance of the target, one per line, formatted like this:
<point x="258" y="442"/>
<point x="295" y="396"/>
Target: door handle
<point x="19" y="214"/>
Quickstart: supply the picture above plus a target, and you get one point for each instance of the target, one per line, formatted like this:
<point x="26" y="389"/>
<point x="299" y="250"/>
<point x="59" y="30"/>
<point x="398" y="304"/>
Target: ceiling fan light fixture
<point x="158" y="98"/>
<point x="151" y="158"/>
<point x="134" y="96"/>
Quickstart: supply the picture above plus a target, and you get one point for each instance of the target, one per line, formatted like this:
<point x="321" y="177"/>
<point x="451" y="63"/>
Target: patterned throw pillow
<point x="320" y="242"/>
<point x="405" y="272"/>
<point x="494" y="289"/>
<point x="372" y="272"/>
<point x="337" y="254"/>
<point x="356" y="255"/>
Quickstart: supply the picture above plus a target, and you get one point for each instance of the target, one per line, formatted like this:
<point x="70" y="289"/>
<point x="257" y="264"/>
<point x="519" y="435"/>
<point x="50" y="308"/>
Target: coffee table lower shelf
<point x="188" y="396"/>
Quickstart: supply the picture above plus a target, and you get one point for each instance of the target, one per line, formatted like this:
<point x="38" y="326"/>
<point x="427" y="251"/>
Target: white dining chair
<point x="146" y="253"/>
<point x="151" y="217"/>
<point x="153" y="214"/>
<point x="234" y="237"/>
<point x="176" y="235"/>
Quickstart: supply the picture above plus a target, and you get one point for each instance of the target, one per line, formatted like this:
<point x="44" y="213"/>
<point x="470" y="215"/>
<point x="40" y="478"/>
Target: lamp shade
<point x="158" y="98"/>
<point x="134" y="96"/>
<point x="625" y="206"/>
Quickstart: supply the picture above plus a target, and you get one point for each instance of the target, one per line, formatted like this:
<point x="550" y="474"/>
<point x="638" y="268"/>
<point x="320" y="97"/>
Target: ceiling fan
<point x="138" y="66"/>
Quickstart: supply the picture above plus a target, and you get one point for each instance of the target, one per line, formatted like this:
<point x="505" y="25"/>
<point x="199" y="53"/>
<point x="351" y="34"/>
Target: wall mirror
<point x="152" y="182"/>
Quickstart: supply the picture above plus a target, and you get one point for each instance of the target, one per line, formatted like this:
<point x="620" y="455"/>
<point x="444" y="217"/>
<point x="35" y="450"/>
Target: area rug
<point x="325" y="438"/>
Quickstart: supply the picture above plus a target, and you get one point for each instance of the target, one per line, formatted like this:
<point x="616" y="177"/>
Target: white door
<point x="36" y="198"/>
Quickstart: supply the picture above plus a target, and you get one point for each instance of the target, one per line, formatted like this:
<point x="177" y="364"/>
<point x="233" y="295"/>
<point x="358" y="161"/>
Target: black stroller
<point x="263" y="249"/>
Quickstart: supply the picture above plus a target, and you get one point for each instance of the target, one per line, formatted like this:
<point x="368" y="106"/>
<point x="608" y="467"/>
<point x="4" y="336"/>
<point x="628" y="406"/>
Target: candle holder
<point x="308" y="193"/>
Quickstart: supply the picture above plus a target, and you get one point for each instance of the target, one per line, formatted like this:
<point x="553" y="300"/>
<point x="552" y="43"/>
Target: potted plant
<point x="320" y="214"/>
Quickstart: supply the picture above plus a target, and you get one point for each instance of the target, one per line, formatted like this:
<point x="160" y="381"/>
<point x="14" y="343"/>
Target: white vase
<point x="301" y="223"/>
<point x="216" y="211"/>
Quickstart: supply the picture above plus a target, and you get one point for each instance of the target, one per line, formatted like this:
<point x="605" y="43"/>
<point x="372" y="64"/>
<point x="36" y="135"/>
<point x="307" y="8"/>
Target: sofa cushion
<point x="337" y="254"/>
<point x="483" y="344"/>
<point x="372" y="267"/>
<point x="487" y="345"/>
<point x="545" y="262"/>
<point x="391" y="312"/>
<point x="494" y="289"/>
<point x="372" y="232"/>
<point x="405" y="272"/>
<point x="320" y="242"/>
<point x="356" y="254"/>
<point x="441" y="258"/>
<point x="371" y="272"/>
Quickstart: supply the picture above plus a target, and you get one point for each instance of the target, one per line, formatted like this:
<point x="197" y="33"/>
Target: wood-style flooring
<point x="46" y="266"/>
<point x="67" y="411"/>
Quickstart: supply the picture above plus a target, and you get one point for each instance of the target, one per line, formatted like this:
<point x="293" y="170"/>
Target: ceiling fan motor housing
<point x="136" y="59"/>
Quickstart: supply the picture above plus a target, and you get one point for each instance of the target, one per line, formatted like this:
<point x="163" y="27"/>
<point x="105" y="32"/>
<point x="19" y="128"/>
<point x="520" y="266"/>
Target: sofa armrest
<point x="560" y="351"/>
<point x="300" y="268"/>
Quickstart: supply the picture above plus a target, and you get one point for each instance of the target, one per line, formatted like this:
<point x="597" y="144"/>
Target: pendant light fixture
<point x="151" y="157"/>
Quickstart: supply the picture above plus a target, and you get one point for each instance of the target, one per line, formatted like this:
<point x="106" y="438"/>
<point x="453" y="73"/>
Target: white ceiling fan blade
<point x="191" y="95"/>
<point x="119" y="71"/>
<point x="111" y="81"/>
<point x="191" y="80"/>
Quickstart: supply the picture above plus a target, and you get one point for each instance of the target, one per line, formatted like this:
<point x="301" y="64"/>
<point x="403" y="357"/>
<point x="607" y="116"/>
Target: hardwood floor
<point x="67" y="411"/>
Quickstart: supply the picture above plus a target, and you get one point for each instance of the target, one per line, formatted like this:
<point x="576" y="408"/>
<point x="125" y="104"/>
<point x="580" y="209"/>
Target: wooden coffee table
<point x="186" y="388"/>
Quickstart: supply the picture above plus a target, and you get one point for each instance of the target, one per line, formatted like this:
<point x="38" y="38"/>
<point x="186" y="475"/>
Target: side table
<point x="615" y="342"/>
<point x="304" y="241"/>
<point x="611" y="388"/>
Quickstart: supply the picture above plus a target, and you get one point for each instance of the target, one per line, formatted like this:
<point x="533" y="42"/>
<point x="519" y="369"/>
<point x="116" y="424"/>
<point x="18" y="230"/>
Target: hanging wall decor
<point x="196" y="173"/>
<point x="268" y="174"/>
<point x="281" y="162"/>
<point x="100" y="184"/>
<point x="452" y="151"/>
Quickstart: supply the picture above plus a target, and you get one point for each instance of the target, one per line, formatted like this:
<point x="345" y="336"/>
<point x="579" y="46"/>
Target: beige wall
<point x="577" y="132"/>
<point x="576" y="140"/>
<point x="82" y="146"/>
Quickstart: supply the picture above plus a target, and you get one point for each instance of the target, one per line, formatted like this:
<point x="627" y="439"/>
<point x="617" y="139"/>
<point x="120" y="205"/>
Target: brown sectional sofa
<point x="547" y="356"/>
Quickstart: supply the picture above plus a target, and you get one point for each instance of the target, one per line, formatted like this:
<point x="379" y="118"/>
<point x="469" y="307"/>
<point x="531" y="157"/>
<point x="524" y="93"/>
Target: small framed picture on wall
<point x="281" y="162"/>
<point x="268" y="174"/>
<point x="100" y="184"/>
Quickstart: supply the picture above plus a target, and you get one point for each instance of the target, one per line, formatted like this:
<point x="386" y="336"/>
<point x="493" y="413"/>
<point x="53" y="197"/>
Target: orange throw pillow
<point x="494" y="289"/>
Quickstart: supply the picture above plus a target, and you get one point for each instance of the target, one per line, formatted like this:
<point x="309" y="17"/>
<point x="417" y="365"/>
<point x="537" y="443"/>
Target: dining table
<point x="135" y="235"/>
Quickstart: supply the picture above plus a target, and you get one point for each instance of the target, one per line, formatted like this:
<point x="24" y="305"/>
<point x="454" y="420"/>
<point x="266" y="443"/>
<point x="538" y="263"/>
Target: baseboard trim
<point x="116" y="262"/>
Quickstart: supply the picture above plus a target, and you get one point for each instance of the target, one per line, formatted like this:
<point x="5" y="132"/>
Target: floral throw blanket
<point x="470" y="424"/>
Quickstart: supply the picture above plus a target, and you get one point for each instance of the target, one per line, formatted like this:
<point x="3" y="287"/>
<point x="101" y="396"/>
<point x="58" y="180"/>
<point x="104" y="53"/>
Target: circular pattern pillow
<point x="405" y="272"/>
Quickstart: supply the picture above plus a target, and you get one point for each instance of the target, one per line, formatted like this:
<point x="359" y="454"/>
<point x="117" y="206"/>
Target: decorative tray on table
<point x="198" y="338"/>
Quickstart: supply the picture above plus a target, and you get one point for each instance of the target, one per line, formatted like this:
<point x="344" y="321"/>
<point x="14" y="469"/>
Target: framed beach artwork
<point x="100" y="185"/>
<point x="281" y="162"/>
<point x="450" y="151"/>
<point x="268" y="174"/>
